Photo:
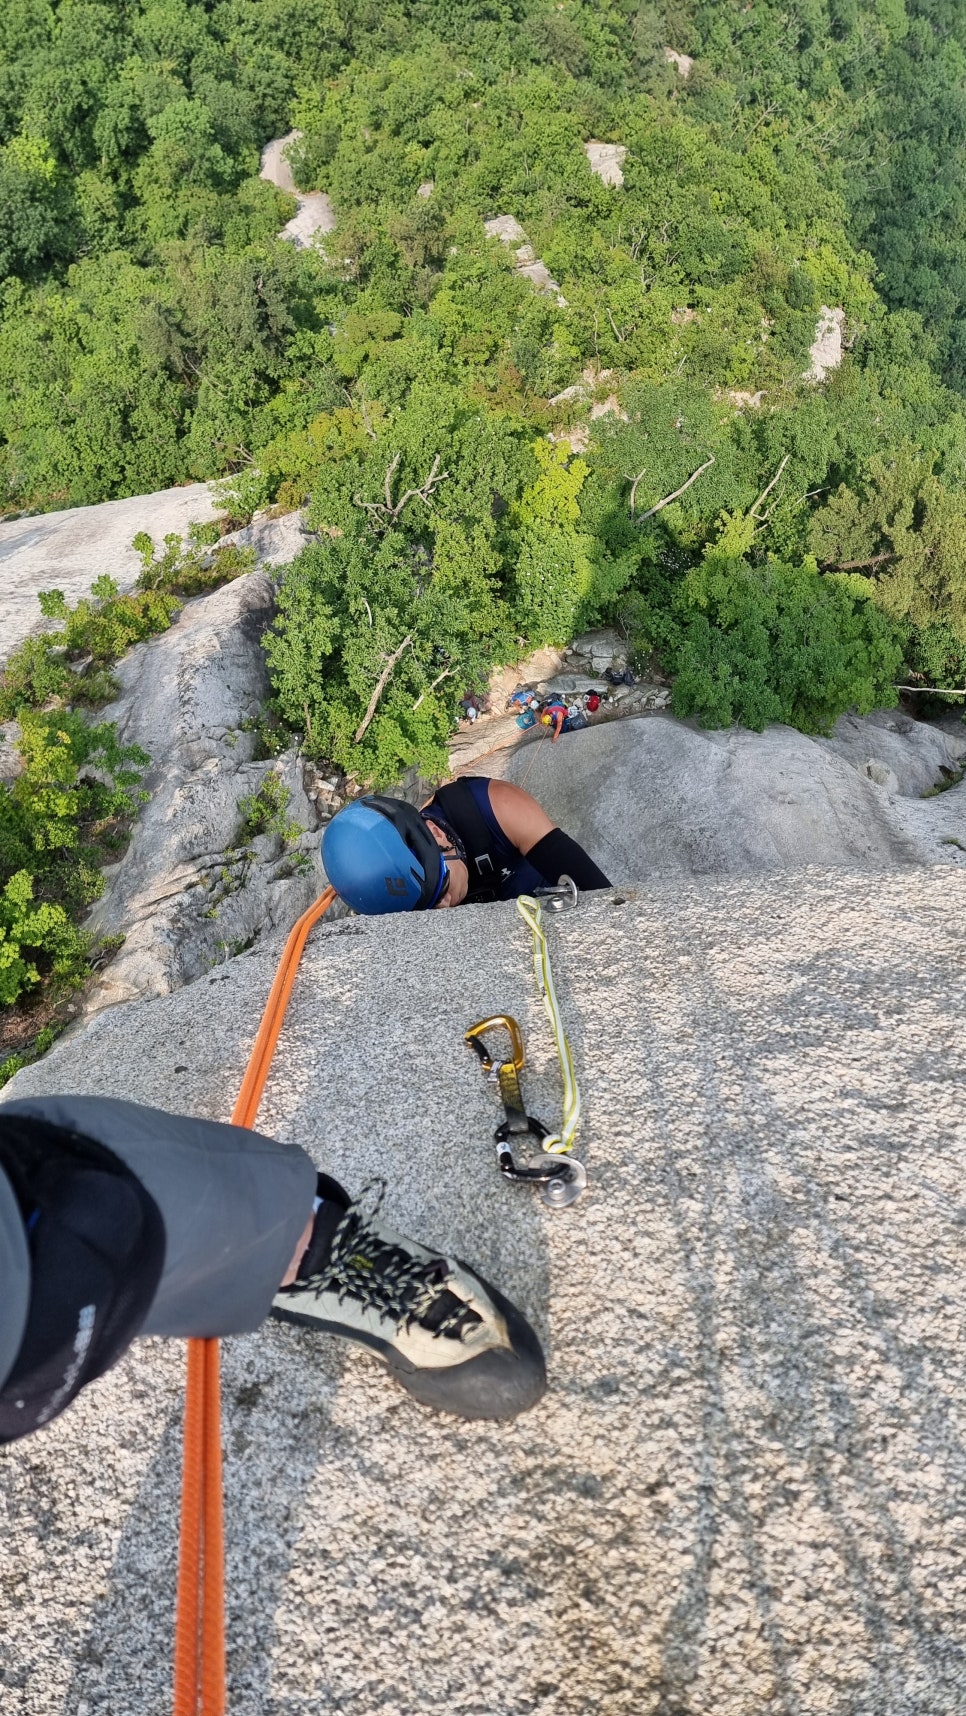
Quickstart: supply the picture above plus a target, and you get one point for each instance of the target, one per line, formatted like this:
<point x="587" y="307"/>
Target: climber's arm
<point x="521" y="818"/>
<point x="549" y="849"/>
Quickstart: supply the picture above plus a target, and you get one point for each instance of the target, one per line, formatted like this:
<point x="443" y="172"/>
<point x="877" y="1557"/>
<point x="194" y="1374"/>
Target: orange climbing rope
<point x="199" y="1646"/>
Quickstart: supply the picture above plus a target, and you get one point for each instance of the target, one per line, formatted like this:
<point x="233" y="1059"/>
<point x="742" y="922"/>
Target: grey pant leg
<point x="234" y="1205"/>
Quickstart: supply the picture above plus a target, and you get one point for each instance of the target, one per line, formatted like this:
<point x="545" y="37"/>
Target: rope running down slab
<point x="199" y="1646"/>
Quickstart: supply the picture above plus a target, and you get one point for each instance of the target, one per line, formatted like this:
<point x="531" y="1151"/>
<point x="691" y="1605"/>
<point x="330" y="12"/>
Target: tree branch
<point x="384" y="513"/>
<point x="857" y="565"/>
<point x="380" y="688"/>
<point x="669" y="498"/>
<point x="390" y="473"/>
<point x="374" y="508"/>
<point x="753" y="511"/>
<point x="363" y="406"/>
<point x="423" y="493"/>
<point x="446" y="674"/>
<point x="634" y="482"/>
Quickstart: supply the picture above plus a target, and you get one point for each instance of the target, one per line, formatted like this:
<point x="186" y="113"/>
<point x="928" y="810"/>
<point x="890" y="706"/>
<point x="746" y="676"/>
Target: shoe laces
<point x="385" y="1277"/>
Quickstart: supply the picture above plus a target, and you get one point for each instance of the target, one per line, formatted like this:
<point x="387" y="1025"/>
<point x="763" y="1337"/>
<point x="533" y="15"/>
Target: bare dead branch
<point x="365" y="604"/>
<point x="634" y="482"/>
<point x="374" y="508"/>
<point x="811" y="495"/>
<point x="677" y="492"/>
<point x="447" y="674"/>
<point x="365" y="418"/>
<point x="380" y="688"/>
<point x="617" y="334"/>
<point x="423" y="493"/>
<point x="384" y="513"/>
<point x="390" y="473"/>
<point x="363" y="405"/>
<point x="753" y="511"/>
<point x="859" y="565"/>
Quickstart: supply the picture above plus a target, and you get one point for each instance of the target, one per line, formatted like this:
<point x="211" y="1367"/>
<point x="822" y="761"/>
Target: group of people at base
<point x="119" y="1220"/>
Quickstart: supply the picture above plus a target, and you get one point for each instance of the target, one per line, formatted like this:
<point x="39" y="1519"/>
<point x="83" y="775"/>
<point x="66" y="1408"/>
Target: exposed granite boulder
<point x="607" y="161"/>
<point x="315" y="212"/>
<point x="655" y="796"/>
<point x="276" y="538"/>
<point x="68" y="550"/>
<point x="890" y="747"/>
<point x="191" y="890"/>
<point x="827" y="349"/>
<point x="509" y="231"/>
<point x="682" y="63"/>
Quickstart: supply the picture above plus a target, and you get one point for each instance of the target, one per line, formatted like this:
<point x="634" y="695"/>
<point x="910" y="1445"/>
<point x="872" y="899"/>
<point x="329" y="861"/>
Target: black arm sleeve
<point x="557" y="855"/>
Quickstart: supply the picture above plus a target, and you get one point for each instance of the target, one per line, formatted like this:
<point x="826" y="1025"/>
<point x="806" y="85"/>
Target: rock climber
<point x="476" y="840"/>
<point x="118" y="1220"/>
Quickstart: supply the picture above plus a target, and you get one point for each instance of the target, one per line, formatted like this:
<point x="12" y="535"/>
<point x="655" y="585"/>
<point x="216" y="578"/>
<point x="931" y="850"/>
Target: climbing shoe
<point x="453" y="1341"/>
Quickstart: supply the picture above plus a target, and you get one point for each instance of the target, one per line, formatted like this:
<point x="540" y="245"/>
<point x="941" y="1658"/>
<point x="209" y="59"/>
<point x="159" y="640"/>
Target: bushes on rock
<point x="65" y="813"/>
<point x="30" y="930"/>
<point x="72" y="665"/>
<point x="266" y="812"/>
<point x="191" y="568"/>
<point x="152" y="329"/>
<point x="63" y="816"/>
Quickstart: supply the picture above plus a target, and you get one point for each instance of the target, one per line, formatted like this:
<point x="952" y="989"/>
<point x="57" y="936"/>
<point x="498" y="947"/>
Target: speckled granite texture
<point x="746" y="1489"/>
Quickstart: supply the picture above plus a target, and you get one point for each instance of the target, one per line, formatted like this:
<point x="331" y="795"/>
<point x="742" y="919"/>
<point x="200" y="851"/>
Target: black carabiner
<point x="563" y="1180"/>
<point x="518" y="1123"/>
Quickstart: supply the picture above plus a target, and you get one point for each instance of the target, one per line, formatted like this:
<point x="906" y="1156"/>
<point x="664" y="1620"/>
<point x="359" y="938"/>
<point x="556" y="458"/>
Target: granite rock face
<point x="68" y="550"/>
<point x="509" y="231"/>
<point x="914" y="755"/>
<point x="275" y="539"/>
<point x="827" y="349"/>
<point x="743" y="1491"/>
<point x="654" y="796"/>
<point x="607" y="161"/>
<point x="192" y="889"/>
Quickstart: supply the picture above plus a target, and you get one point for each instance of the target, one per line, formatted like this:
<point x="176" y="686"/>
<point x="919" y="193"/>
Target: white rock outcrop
<point x="826" y="350"/>
<point x="682" y="63"/>
<point x="276" y="539"/>
<point x="191" y="891"/>
<point x="67" y="550"/>
<point x="654" y="796"/>
<point x="315" y="213"/>
<point x="509" y="231"/>
<point x="607" y="160"/>
<point x="506" y="228"/>
<point x="743" y="399"/>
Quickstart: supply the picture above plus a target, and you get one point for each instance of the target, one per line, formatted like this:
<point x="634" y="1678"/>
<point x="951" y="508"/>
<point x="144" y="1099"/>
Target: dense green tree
<point x="754" y="644"/>
<point x="152" y="329"/>
<point x="906" y="531"/>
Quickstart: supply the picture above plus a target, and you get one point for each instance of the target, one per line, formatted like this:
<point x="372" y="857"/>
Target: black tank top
<point x="490" y="856"/>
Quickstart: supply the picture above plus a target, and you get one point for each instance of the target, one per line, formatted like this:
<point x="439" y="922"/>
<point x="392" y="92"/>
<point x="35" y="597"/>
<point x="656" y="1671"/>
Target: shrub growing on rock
<point x="749" y="645"/>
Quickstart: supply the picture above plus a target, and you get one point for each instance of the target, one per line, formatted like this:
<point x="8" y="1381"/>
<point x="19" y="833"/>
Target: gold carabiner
<point x="504" y="1022"/>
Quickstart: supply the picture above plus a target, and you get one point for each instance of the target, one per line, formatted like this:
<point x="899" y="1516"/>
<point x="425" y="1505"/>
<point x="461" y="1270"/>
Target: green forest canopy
<point x="154" y="330"/>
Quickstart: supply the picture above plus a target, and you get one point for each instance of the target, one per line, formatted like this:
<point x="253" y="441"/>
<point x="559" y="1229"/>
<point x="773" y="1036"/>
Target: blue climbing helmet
<point x="380" y="857"/>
